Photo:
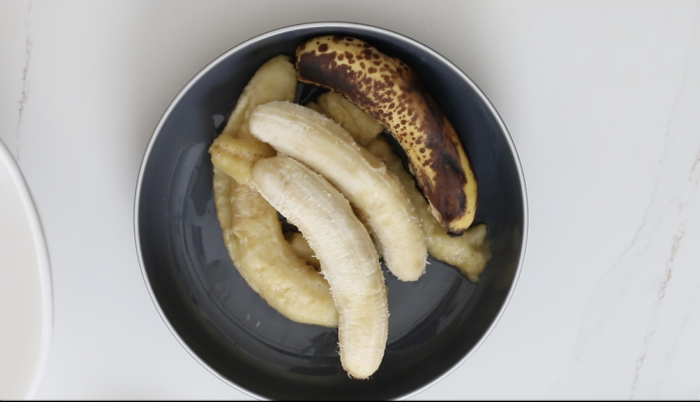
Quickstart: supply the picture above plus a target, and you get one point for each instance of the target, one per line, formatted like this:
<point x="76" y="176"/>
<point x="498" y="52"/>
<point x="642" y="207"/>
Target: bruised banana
<point x="348" y="258"/>
<point x="469" y="252"/>
<point x="388" y="90"/>
<point x="377" y="195"/>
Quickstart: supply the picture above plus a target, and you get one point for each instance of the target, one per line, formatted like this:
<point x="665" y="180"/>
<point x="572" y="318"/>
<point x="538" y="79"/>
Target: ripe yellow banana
<point x="389" y="91"/>
<point x="348" y="258"/>
<point x="376" y="193"/>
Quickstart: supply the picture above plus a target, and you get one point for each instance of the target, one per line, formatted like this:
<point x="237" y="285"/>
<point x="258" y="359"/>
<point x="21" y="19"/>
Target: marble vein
<point x="693" y="178"/>
<point x="691" y="188"/>
<point x="25" y="82"/>
<point x="662" y="158"/>
<point x="611" y="285"/>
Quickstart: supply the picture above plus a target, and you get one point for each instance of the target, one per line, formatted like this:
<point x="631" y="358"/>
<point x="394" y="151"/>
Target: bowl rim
<point x="43" y="266"/>
<point x="332" y="24"/>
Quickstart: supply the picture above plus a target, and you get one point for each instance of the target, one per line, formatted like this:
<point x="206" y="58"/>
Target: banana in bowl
<point x="435" y="322"/>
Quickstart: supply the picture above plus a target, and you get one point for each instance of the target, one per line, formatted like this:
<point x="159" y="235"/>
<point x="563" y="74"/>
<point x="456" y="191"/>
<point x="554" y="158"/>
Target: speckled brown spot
<point x="323" y="48"/>
<point x="416" y="121"/>
<point x="320" y="70"/>
<point x="445" y="160"/>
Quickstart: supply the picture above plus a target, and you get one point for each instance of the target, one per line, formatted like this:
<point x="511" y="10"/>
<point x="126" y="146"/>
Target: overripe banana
<point x="377" y="194"/>
<point x="302" y="249"/>
<point x="348" y="258"/>
<point x="236" y="156"/>
<point x="251" y="228"/>
<point x="469" y="252"/>
<point x="222" y="198"/>
<point x="389" y="91"/>
<point x="274" y="81"/>
<point x="253" y="236"/>
<point x="361" y="126"/>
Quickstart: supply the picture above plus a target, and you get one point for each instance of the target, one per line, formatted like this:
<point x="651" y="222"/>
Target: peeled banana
<point x="378" y="196"/>
<point x="251" y="228"/>
<point x="253" y="236"/>
<point x="302" y="249"/>
<point x="469" y="252"/>
<point x="236" y="156"/>
<point x="348" y="258"/>
<point x="273" y="81"/>
<point x="389" y="91"/>
<point x="361" y="126"/>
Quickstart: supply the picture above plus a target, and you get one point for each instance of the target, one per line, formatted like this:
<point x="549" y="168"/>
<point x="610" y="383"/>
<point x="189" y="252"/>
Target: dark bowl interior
<point x="435" y="322"/>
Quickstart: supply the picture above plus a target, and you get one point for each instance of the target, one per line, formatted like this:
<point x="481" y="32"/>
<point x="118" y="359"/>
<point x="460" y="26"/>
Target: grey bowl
<point x="436" y="322"/>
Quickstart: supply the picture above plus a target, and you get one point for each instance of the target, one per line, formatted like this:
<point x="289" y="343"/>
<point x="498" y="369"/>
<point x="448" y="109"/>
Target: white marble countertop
<point x="602" y="100"/>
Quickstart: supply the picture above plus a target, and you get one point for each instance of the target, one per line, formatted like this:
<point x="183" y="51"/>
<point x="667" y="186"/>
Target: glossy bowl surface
<point x="435" y="323"/>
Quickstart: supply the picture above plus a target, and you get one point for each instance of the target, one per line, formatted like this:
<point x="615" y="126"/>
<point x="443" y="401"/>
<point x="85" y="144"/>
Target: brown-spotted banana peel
<point x="388" y="90"/>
